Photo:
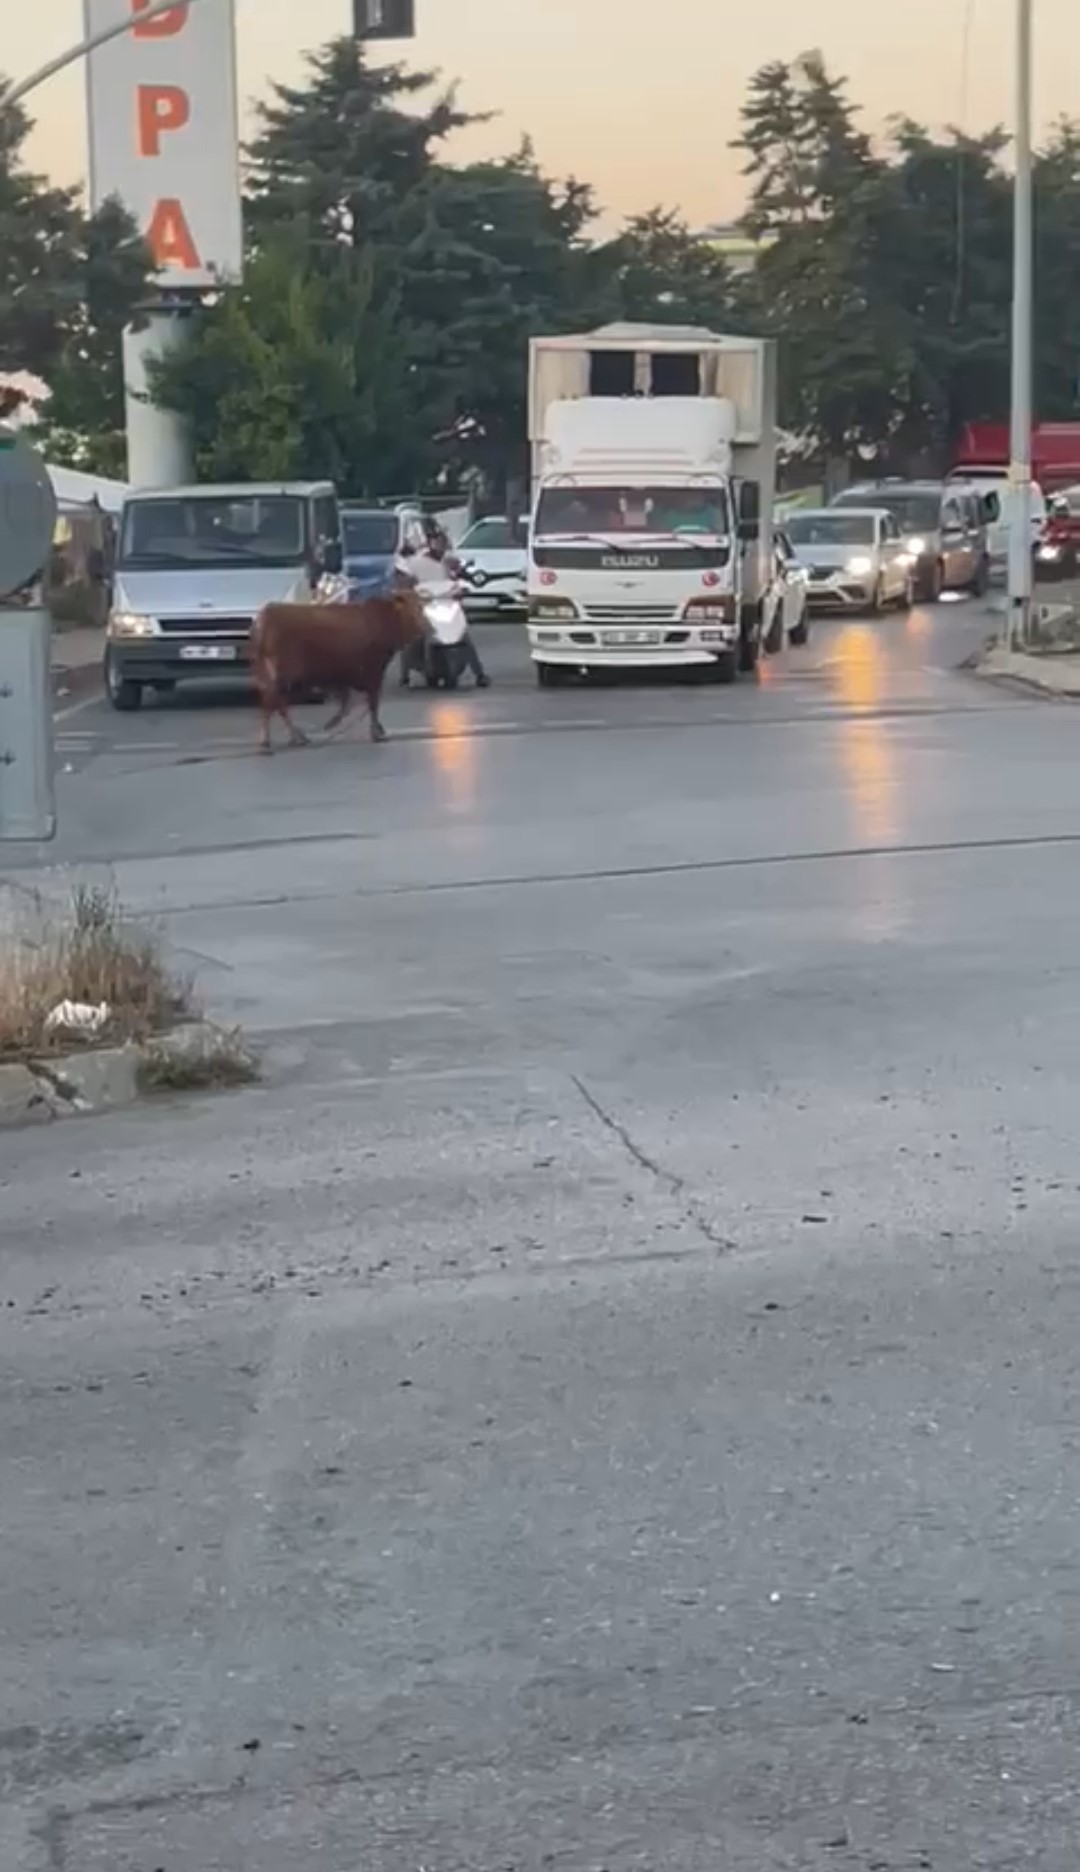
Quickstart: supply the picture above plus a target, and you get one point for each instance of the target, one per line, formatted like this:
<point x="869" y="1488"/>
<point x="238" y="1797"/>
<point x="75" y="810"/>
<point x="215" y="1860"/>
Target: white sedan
<point x="494" y="554"/>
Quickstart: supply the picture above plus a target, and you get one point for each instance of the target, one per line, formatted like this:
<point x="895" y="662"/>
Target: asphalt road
<point x="609" y="1400"/>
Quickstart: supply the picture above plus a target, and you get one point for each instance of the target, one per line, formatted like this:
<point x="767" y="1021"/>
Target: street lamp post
<point x="1020" y="542"/>
<point x="154" y="10"/>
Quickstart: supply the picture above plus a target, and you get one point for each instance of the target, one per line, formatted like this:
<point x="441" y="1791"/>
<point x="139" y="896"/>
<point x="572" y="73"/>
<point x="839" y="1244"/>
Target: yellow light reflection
<point x="874" y="793"/>
<point x="455" y="755"/>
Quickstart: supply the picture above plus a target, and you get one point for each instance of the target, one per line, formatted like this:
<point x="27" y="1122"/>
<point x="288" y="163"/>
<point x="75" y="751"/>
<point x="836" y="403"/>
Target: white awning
<point x="75" y="489"/>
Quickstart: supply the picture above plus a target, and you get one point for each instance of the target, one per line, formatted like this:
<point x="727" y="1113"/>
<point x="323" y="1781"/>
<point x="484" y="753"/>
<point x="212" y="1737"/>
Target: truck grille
<point x="630" y="614"/>
<point x="208" y="625"/>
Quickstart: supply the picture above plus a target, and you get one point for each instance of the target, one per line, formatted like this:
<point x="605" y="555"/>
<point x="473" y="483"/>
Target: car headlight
<point x="1049" y="552"/>
<point x="132" y="624"/>
<point x="860" y="567"/>
<point x="916" y="547"/>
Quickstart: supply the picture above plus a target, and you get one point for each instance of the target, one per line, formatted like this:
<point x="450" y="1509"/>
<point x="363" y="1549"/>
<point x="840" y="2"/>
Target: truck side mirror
<point x="749" y="510"/>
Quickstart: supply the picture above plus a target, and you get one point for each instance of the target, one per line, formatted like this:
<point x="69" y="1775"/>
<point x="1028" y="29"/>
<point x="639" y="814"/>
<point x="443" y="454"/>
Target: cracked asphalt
<point x="608" y="1400"/>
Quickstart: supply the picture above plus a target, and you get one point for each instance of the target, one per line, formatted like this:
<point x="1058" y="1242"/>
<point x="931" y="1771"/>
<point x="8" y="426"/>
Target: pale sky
<point x="644" y="111"/>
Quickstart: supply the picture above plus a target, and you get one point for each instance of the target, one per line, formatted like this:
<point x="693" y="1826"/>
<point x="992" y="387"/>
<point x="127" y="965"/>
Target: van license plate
<point x="208" y="653"/>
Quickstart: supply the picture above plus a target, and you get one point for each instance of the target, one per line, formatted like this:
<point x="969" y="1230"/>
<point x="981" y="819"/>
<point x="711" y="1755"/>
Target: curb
<point x="197" y="1056"/>
<point x="1056" y="678"/>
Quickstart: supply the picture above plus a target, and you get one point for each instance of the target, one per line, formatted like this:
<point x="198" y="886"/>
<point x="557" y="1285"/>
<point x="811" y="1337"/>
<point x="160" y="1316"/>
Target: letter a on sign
<point x="165" y="25"/>
<point x="170" y="239"/>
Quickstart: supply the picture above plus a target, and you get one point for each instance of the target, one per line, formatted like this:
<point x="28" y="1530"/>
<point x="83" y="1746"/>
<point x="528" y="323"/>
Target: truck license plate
<point x="634" y="637"/>
<point x="208" y="653"/>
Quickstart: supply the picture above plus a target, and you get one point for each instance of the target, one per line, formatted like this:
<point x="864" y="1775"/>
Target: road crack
<point x="676" y="1185"/>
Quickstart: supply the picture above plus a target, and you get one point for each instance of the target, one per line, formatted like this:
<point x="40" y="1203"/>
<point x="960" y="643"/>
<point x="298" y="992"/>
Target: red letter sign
<point x="162" y="108"/>
<point x="165" y="26"/>
<point x="170" y="239"/>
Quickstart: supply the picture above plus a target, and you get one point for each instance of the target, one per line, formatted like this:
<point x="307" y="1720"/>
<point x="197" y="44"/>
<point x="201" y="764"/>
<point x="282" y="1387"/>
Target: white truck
<point x="654" y="476"/>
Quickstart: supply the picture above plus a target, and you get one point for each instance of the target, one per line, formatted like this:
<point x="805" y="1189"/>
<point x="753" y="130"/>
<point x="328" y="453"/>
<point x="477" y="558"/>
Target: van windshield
<point x="569" y="511"/>
<point x="205" y="530"/>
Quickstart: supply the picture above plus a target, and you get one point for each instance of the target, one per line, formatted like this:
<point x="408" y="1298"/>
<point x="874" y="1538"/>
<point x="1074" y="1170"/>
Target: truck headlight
<point x="131" y="624"/>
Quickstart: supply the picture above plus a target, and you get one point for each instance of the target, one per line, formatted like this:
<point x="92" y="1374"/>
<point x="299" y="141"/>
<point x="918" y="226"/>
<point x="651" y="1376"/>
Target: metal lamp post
<point x="155" y="10"/>
<point x="1020" y="543"/>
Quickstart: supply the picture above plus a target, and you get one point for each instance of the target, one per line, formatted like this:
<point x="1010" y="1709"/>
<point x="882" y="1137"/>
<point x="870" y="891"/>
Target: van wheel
<point x="124" y="694"/>
<point x="980" y="584"/>
<point x="933" y="584"/>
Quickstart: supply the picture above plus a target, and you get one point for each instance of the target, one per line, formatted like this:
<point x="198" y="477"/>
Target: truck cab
<point x="653" y="472"/>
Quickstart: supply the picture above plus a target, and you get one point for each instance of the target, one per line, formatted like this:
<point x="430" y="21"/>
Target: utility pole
<point x="1020" y="541"/>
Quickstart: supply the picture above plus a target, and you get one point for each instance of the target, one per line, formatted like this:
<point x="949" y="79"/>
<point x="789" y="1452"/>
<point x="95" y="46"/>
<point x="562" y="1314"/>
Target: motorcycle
<point x="440" y="656"/>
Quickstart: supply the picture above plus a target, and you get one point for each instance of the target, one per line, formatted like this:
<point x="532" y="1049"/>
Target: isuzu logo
<point x="630" y="562"/>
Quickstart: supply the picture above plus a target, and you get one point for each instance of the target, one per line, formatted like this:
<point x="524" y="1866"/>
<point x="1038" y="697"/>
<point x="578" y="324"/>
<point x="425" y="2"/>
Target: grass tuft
<point x="85" y="952"/>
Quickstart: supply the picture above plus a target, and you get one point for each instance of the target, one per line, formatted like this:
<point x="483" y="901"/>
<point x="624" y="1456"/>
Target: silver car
<point x="854" y="558"/>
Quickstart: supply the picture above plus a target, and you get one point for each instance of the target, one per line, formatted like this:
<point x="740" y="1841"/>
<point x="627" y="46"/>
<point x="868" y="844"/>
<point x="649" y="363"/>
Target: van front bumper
<point x="175" y="659"/>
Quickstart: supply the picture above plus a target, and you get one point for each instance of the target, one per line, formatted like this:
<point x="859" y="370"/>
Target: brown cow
<point x="341" y="649"/>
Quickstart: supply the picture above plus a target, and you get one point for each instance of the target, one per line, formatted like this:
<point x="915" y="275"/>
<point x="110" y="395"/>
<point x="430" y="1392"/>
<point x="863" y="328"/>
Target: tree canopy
<point x="380" y="333"/>
<point x="69" y="284"/>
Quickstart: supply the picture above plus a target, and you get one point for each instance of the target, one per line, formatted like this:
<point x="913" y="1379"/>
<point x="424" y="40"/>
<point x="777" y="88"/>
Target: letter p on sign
<point x="165" y="25"/>
<point x="162" y="109"/>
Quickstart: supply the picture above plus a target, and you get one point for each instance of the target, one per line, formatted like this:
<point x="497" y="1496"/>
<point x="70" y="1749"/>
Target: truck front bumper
<point x="579" y="645"/>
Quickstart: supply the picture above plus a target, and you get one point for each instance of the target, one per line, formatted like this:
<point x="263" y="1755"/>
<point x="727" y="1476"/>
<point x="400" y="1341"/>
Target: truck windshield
<point x="831" y="529"/>
<point x="610" y="511"/>
<point x="205" y="530"/>
<point x="374" y="533"/>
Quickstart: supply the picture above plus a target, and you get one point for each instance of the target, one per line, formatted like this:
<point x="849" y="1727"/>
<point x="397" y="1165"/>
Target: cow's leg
<point x="267" y="711"/>
<point x="297" y="737"/>
<point x="374" y="696"/>
<point x="345" y="701"/>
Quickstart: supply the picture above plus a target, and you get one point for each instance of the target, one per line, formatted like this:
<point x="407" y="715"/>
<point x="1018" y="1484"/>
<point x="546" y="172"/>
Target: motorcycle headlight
<point x="441" y="613"/>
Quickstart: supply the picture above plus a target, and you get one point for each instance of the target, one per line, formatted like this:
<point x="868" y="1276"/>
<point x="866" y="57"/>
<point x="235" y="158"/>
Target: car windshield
<point x="496" y="535"/>
<point x="913" y="513"/>
<point x="831" y="529"/>
<point x="204" y="530"/>
<point x="374" y="533"/>
<point x="569" y="511"/>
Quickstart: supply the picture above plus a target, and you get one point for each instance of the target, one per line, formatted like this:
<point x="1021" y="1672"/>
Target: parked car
<point x="373" y="538"/>
<point x="1057" y="555"/>
<point x="854" y="558"/>
<point x="494" y="553"/>
<point x="944" y="528"/>
<point x="787" y="617"/>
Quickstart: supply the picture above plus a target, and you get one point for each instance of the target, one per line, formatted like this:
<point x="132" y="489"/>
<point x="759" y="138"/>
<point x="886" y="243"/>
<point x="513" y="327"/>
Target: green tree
<point x="294" y="373"/>
<point x="69" y="283"/>
<point x="1057" y="269"/>
<point x="83" y="421"/>
<point x="659" y="270"/>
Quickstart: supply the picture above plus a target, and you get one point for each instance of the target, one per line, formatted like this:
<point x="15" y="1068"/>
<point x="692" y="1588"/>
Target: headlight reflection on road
<point x="875" y="798"/>
<point x="455" y="756"/>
